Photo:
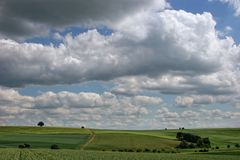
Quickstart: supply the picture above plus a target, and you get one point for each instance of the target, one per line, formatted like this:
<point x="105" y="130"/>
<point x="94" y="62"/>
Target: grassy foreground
<point x="40" y="154"/>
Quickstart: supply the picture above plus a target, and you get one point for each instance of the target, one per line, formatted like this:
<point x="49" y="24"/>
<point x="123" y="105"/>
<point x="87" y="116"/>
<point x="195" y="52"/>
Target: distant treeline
<point x="189" y="140"/>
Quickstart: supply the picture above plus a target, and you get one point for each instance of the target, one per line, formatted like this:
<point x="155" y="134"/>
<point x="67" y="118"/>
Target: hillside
<point x="76" y="138"/>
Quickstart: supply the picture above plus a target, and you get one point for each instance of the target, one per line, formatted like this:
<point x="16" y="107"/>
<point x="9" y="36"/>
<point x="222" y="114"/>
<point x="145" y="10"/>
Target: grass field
<point x="40" y="154"/>
<point x="218" y="137"/>
<point x="70" y="138"/>
<point x="88" y="144"/>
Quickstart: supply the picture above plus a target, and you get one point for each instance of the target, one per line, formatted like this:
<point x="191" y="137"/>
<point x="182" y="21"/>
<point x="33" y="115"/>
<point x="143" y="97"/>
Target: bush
<point x="130" y="150"/>
<point x="27" y="145"/>
<point x="21" y="146"/>
<point x="147" y="150"/>
<point x="55" y="146"/>
<point x="228" y="146"/>
<point x="217" y="147"/>
<point x="139" y="150"/>
<point x="183" y="145"/>
<point x="237" y="145"/>
<point x="191" y="146"/>
<point x="203" y="150"/>
<point x="154" y="150"/>
<point x="173" y="152"/>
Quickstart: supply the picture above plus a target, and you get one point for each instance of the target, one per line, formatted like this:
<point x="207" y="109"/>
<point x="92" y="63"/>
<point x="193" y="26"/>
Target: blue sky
<point x="108" y="67"/>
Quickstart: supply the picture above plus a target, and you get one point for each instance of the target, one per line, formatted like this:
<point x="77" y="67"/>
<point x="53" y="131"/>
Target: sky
<point x="129" y="64"/>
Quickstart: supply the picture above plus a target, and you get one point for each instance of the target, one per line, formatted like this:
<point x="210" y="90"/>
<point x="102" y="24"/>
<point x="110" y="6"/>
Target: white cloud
<point x="75" y="109"/>
<point x="105" y="110"/>
<point x="189" y="47"/>
<point x="235" y="4"/>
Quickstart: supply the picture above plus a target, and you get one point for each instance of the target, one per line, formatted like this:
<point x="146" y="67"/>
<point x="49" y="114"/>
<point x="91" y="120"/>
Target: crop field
<point x="93" y="144"/>
<point x="116" y="141"/>
<point x="40" y="154"/>
<point x="12" y="137"/>
<point x="219" y="137"/>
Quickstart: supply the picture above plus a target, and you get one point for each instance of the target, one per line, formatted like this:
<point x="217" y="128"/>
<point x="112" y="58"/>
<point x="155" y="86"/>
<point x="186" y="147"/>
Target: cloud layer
<point x="30" y="17"/>
<point x="168" y="42"/>
<point x="105" y="110"/>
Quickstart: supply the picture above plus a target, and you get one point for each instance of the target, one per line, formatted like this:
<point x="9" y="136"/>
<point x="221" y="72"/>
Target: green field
<point x="84" y="144"/>
<point x="66" y="138"/>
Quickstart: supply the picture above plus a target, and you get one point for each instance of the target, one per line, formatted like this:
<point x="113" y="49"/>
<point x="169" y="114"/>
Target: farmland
<point x="41" y="154"/>
<point x="11" y="137"/>
<point x="84" y="144"/>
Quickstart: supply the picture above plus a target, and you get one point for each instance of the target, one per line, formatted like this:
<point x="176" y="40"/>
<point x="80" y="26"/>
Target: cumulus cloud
<point x="64" y="108"/>
<point x="198" y="100"/>
<point x="104" y="110"/>
<point x="33" y="17"/>
<point x="199" y="118"/>
<point x="189" y="47"/>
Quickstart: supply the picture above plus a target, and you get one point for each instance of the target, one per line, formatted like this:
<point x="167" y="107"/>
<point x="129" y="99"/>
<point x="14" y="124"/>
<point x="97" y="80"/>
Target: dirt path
<point x="93" y="135"/>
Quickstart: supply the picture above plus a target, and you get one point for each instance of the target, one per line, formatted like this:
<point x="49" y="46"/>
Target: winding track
<point x="93" y="135"/>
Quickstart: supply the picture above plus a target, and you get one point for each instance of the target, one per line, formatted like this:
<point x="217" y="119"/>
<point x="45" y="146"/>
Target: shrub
<point x="237" y="145"/>
<point x="217" y="147"/>
<point x="147" y="150"/>
<point x="183" y="145"/>
<point x="173" y="151"/>
<point x="21" y="146"/>
<point x="55" y="146"/>
<point x="191" y="145"/>
<point x="228" y="146"/>
<point x="139" y="150"/>
<point x="27" y="145"/>
<point x="130" y="150"/>
<point x="154" y="150"/>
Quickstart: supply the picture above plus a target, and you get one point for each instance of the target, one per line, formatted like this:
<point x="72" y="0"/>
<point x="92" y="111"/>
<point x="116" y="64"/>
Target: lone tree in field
<point x="40" y="124"/>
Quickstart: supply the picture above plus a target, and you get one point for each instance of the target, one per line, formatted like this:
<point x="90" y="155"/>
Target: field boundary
<point x="93" y="135"/>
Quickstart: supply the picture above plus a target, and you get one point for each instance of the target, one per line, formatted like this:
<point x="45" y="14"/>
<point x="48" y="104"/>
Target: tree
<point x="200" y="143"/>
<point x="228" y="146"/>
<point x="40" y="124"/>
